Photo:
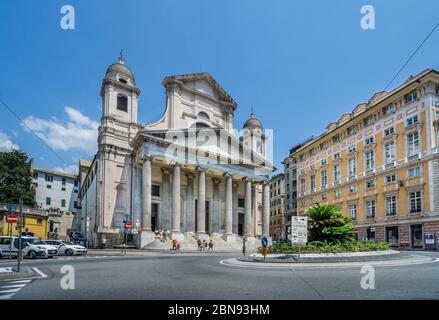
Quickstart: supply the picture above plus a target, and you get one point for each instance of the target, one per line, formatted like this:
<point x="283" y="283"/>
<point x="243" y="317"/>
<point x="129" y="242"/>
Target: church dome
<point x="120" y="68"/>
<point x="253" y="123"/>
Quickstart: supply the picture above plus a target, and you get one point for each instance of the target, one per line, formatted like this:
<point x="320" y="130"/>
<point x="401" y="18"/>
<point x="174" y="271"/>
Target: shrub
<point x="324" y="247"/>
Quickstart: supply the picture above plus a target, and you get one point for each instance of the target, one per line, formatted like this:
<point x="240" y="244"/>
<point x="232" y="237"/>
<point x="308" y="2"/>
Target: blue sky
<point x="301" y="64"/>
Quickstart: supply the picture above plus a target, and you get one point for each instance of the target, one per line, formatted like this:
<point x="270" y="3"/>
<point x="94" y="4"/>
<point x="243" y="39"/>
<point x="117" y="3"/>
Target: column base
<point x="144" y="238"/>
<point x="177" y="235"/>
<point x="229" y="237"/>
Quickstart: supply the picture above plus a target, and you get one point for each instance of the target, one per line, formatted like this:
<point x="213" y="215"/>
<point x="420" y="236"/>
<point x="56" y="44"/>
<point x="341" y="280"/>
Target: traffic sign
<point x="299" y="230"/>
<point x="264" y="241"/>
<point x="264" y="251"/>
<point x="11" y="218"/>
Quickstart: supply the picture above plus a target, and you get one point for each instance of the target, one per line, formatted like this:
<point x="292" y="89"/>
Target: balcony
<point x="369" y="172"/>
<point x="413" y="157"/>
<point x="391" y="164"/>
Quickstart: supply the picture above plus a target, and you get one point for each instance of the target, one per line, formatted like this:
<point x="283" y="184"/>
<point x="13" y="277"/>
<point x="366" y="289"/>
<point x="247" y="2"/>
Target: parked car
<point x="32" y="247"/>
<point x="1" y="256"/>
<point x="67" y="248"/>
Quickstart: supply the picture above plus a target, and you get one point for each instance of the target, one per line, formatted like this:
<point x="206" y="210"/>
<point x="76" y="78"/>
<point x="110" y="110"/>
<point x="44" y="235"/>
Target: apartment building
<point x="56" y="193"/>
<point x="380" y="165"/>
<point x="277" y="207"/>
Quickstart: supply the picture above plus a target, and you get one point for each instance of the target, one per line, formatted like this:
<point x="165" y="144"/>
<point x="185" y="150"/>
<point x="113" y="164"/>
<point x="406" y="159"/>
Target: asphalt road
<point x="201" y="276"/>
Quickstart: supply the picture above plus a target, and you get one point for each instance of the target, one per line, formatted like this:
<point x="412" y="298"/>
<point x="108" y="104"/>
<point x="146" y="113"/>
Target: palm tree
<point x="327" y="224"/>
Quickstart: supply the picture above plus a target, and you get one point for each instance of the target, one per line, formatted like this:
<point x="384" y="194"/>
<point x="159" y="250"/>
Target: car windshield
<point x="38" y="242"/>
<point x="67" y="243"/>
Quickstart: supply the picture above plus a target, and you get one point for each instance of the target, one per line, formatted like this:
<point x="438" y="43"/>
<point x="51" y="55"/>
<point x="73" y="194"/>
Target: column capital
<point x="190" y="175"/>
<point x="166" y="170"/>
<point x="227" y="174"/>
<point x="235" y="184"/>
<point x="216" y="180"/>
<point x="247" y="179"/>
<point x="265" y="182"/>
<point x="200" y="169"/>
<point x="174" y="164"/>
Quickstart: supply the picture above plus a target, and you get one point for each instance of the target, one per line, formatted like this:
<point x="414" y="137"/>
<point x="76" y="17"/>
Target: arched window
<point x="203" y="114"/>
<point x="199" y="125"/>
<point x="122" y="102"/>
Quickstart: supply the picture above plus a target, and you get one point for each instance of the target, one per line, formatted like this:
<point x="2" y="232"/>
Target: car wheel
<point x="69" y="252"/>
<point x="32" y="254"/>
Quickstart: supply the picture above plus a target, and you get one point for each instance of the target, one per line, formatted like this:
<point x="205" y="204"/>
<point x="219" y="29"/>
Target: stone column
<point x="166" y="205"/>
<point x="215" y="217"/>
<point x="146" y="195"/>
<point x="190" y="204"/>
<point x="266" y="209"/>
<point x="175" y="200"/>
<point x="248" y="208"/>
<point x="201" y="203"/>
<point x="229" y="205"/>
<point x="235" y="208"/>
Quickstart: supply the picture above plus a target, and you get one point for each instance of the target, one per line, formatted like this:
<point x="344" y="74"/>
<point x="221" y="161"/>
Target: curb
<point x="25" y="273"/>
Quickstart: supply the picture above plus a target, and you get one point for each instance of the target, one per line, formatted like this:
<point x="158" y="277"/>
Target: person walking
<point x="210" y="245"/>
<point x="199" y="244"/>
<point x="204" y="245"/>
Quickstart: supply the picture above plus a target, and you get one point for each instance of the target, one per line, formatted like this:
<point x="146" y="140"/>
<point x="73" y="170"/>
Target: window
<point x="323" y="178"/>
<point x="155" y="190"/>
<point x="412" y="120"/>
<point x="76" y="183"/>
<point x="410" y="97"/>
<point x="389" y="131"/>
<point x="352" y="168"/>
<point x="122" y="102"/>
<point x="414" y="172"/>
<point x="368" y="141"/>
<point x="353" y="188"/>
<point x="336" y="155"/>
<point x="415" y="202"/>
<point x="353" y="211"/>
<point x="370" y="160"/>
<point x="413" y="143"/>
<point x="48" y="201"/>
<point x="352" y="149"/>
<point x="337" y="193"/>
<point x="391" y="205"/>
<point x="324" y="196"/>
<point x="49" y="186"/>
<point x="337" y="174"/>
<point x="302" y="185"/>
<point x="389" y="152"/>
<point x="390" y="178"/>
<point x="35" y="175"/>
<point x="63" y="203"/>
<point x="39" y="221"/>
<point x="370" y="209"/>
<point x="35" y="184"/>
<point x="63" y="189"/>
<point x="48" y="178"/>
<point x="388" y="110"/>
<point x="63" y="181"/>
<point x="312" y="182"/>
<point x="323" y="162"/>
<point x="370" y="184"/>
<point x="241" y="203"/>
<point x="351" y="130"/>
<point x="368" y="121"/>
<point x="75" y="204"/>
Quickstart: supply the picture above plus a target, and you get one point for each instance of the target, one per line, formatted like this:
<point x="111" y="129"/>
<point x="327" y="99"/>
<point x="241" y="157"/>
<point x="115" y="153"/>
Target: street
<point x="190" y="276"/>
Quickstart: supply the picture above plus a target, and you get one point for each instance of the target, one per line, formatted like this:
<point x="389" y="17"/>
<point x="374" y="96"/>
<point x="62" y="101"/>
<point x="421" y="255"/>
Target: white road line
<point x="6" y="296"/>
<point x="19" y="281"/>
<point x="15" y="286"/>
<point x="10" y="290"/>
<point x="42" y="275"/>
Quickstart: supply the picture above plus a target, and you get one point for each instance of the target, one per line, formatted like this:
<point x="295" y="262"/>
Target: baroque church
<point x="190" y="173"/>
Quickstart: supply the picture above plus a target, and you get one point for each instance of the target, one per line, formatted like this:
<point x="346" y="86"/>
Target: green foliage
<point x="16" y="178"/>
<point x="326" y="223"/>
<point x="323" y="247"/>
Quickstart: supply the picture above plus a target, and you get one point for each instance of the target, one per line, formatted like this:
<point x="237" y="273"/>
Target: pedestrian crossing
<point x="10" y="287"/>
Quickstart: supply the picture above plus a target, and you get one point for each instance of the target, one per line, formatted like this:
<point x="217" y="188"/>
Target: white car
<point x="31" y="247"/>
<point x="51" y="250"/>
<point x="67" y="248"/>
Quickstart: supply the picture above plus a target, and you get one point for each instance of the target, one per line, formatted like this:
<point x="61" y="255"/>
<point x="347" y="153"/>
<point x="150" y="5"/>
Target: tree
<point x="16" y="178"/>
<point x="327" y="223"/>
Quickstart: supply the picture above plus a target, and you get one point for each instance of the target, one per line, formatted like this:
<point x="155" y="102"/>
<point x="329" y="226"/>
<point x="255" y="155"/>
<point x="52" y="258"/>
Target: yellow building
<point x="380" y="164"/>
<point x="35" y="223"/>
<point x="277" y="207"/>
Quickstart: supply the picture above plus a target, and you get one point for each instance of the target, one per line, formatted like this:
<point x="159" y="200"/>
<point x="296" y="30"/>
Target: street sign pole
<point x="19" y="235"/>
<point x="10" y="240"/>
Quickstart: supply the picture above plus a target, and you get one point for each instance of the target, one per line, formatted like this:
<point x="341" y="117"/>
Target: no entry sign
<point x="11" y="218"/>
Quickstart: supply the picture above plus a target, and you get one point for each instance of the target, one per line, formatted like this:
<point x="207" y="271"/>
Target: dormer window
<point x="123" y="80"/>
<point x="122" y="102"/>
<point x="204" y="115"/>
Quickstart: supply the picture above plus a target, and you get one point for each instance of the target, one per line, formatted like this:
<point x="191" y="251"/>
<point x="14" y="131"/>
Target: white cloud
<point x="6" y="143"/>
<point x="79" y="132"/>
<point x="71" y="169"/>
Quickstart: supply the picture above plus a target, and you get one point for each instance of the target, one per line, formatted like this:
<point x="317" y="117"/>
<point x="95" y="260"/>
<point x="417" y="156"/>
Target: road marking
<point x="42" y="275"/>
<point x="11" y="287"/>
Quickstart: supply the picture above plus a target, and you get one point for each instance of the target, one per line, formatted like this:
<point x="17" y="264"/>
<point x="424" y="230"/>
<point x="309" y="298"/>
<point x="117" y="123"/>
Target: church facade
<point x="190" y="173"/>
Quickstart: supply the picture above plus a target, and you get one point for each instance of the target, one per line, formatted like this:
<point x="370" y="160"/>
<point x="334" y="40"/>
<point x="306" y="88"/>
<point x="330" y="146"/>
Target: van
<point x="32" y="247"/>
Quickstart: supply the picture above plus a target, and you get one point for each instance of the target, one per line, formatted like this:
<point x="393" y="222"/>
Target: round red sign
<point x="11" y="218"/>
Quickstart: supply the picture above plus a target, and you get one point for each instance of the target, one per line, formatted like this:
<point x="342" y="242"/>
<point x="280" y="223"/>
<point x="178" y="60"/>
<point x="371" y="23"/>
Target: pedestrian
<point x="174" y="244"/>
<point x="178" y="246"/>
<point x="199" y="244"/>
<point x="210" y="245"/>
<point x="204" y="245"/>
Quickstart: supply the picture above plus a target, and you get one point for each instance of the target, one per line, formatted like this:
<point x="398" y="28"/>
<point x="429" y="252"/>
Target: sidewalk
<point x="145" y="252"/>
<point x="7" y="273"/>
